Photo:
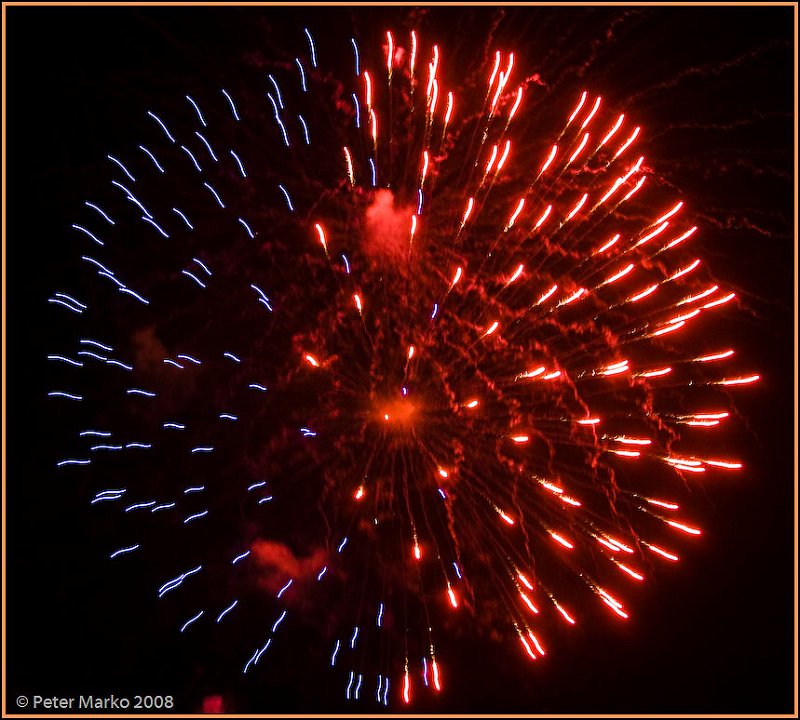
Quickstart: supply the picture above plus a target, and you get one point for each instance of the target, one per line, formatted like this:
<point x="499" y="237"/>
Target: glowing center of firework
<point x="397" y="413"/>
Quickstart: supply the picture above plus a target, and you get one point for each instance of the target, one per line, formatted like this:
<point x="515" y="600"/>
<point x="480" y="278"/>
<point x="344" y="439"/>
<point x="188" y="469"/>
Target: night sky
<point x="713" y="89"/>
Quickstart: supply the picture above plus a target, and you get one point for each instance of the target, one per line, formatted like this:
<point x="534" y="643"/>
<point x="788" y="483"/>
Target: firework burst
<point x="383" y="355"/>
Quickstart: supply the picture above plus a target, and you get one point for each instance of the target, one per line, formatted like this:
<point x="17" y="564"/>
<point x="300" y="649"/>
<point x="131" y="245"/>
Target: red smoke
<point x="388" y="228"/>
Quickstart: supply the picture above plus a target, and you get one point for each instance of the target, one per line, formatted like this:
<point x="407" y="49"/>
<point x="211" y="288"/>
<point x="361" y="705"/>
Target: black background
<point x="713" y="87"/>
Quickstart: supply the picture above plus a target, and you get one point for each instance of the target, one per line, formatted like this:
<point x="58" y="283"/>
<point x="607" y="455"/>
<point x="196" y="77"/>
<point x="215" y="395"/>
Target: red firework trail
<point x="376" y="356"/>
